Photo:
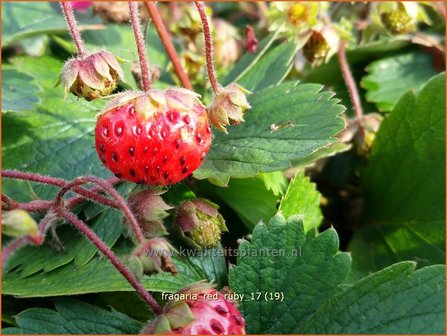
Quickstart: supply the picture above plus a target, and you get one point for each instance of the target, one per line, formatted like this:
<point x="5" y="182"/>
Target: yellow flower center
<point x="298" y="13"/>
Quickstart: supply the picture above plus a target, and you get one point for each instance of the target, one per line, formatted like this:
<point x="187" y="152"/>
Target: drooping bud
<point x="251" y="42"/>
<point x="92" y="76"/>
<point x="200" y="223"/>
<point x="150" y="210"/>
<point x="18" y="223"/>
<point x="199" y="309"/>
<point x="228" y="107"/>
<point x="117" y="11"/>
<point x="227" y="44"/>
<point x="155" y="256"/>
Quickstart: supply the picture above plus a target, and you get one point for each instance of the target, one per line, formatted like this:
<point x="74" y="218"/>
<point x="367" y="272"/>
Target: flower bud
<point x="228" y="107"/>
<point x="200" y="223"/>
<point x="19" y="223"/>
<point x="150" y="210"/>
<point x="155" y="256"/>
<point x="227" y="44"/>
<point x="92" y="76"/>
<point x="117" y="11"/>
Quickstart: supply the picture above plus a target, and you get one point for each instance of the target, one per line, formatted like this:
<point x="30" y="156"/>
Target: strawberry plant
<point x="223" y="168"/>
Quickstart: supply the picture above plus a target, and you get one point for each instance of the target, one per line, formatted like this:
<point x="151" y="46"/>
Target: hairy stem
<point x="107" y="252"/>
<point x="36" y="206"/>
<point x="8" y="203"/>
<point x="141" y="46"/>
<point x="59" y="183"/>
<point x="67" y="9"/>
<point x="167" y="43"/>
<point x="208" y="46"/>
<point x="112" y="192"/>
<point x="13" y="246"/>
<point x="350" y="82"/>
<point x="72" y="202"/>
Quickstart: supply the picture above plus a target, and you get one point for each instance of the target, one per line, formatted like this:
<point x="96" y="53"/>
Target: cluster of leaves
<point x="387" y="208"/>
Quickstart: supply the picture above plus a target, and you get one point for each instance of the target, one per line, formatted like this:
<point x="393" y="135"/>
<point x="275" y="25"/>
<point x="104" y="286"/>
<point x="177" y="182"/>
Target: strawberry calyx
<point x="148" y="104"/>
<point x="92" y="76"/>
<point x="228" y="107"/>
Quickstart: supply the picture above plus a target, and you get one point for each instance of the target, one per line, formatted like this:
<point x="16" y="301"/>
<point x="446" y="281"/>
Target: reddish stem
<point x="11" y="248"/>
<point x="109" y="189"/>
<point x="59" y="183"/>
<point x="106" y="251"/>
<point x="36" y="206"/>
<point x="67" y="9"/>
<point x="141" y="46"/>
<point x="208" y="46"/>
<point x="8" y="203"/>
<point x="167" y="43"/>
<point x="350" y="83"/>
<point x="72" y="202"/>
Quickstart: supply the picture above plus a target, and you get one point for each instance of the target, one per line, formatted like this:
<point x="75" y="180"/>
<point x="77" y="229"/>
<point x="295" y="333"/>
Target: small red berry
<point x="198" y="309"/>
<point x="156" y="138"/>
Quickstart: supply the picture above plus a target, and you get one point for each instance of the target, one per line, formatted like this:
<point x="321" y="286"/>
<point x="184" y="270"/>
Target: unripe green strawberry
<point x="200" y="223"/>
<point x="201" y="310"/>
<point x="92" y="76"/>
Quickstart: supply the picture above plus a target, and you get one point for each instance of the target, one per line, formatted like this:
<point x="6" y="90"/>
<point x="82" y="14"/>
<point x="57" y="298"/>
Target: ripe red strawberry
<point x="156" y="138"/>
<point x="200" y="310"/>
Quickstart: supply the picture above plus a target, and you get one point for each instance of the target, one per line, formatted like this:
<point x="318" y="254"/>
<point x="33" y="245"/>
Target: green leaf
<point x="75" y="247"/>
<point x="395" y="300"/>
<point x="302" y="198"/>
<point x="275" y="181"/>
<point x="54" y="139"/>
<point x="211" y="262"/>
<point x="404" y="192"/>
<point x="249" y="198"/>
<point x="288" y="124"/>
<point x="96" y="276"/>
<point x="305" y="269"/>
<point x="19" y="92"/>
<point x="248" y="60"/>
<point x="271" y="69"/>
<point x="73" y="317"/>
<point x="28" y="19"/>
<point x="389" y="78"/>
<point x="330" y="75"/>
